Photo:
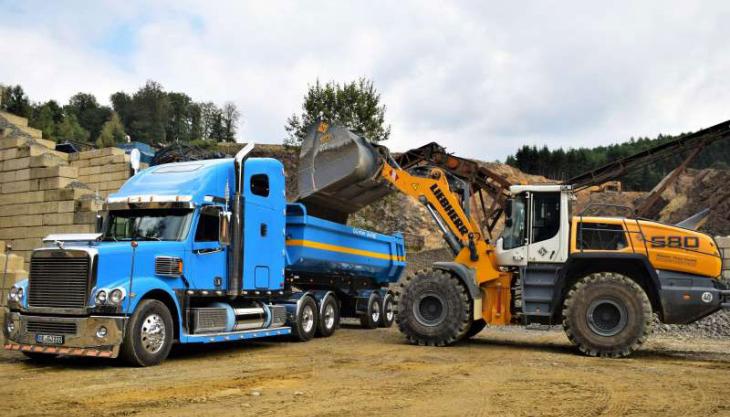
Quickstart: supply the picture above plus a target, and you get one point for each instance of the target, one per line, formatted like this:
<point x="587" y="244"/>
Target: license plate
<point x="49" y="339"/>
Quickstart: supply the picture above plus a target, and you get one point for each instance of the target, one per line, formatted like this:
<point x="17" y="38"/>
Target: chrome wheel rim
<point x="375" y="314"/>
<point x="389" y="310"/>
<point x="152" y="333"/>
<point x="307" y="318"/>
<point x="329" y="316"/>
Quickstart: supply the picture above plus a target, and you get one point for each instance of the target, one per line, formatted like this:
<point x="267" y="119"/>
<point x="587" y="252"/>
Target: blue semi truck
<point x="200" y="252"/>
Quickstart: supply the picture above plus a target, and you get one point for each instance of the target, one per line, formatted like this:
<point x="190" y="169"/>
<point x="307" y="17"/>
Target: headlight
<point x="116" y="296"/>
<point x="20" y="294"/>
<point x="101" y="297"/>
<point x="13" y="296"/>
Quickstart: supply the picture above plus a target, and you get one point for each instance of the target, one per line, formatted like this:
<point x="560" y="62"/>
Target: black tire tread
<point x="608" y="277"/>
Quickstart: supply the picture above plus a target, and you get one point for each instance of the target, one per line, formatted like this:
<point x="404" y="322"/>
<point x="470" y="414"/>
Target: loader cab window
<point x="260" y="185"/>
<point x="600" y="236"/>
<point x="515" y="226"/>
<point x="208" y="224"/>
<point x="545" y="216"/>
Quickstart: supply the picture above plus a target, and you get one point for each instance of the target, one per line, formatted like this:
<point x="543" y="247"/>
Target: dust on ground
<point x="502" y="372"/>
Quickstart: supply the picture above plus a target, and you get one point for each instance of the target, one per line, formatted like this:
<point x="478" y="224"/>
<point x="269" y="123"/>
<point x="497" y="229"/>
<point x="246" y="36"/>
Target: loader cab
<point x="537" y="225"/>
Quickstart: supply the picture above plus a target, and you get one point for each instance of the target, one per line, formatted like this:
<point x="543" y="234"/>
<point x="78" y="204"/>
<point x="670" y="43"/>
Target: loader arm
<point x="459" y="230"/>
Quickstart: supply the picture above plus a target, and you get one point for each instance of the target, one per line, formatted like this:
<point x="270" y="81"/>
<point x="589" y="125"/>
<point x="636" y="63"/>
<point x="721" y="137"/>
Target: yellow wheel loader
<point x="602" y="278"/>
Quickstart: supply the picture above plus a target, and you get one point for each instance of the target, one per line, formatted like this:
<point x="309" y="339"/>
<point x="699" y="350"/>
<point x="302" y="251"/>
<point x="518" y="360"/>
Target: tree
<point x="15" y="101"/>
<point x="45" y="117"/>
<point x="88" y="112"/>
<point x="179" y="120"/>
<point x="112" y="132"/>
<point x="230" y="121"/>
<point x="355" y="104"/>
<point x="70" y="129"/>
<point x="145" y="115"/>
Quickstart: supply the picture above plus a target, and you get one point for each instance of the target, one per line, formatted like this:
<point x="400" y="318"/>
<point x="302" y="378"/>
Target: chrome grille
<point x="46" y="327"/>
<point x="59" y="279"/>
<point x="167" y="266"/>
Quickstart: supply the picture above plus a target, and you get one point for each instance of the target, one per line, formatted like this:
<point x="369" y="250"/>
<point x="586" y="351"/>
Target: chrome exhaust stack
<point x="235" y="253"/>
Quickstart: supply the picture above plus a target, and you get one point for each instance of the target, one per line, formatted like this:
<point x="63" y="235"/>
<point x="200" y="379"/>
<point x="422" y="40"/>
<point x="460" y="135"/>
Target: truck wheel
<point x="607" y="314"/>
<point x="149" y="333"/>
<point x="305" y="323"/>
<point x="371" y="318"/>
<point x="433" y="308"/>
<point x="387" y="316"/>
<point x="476" y="327"/>
<point x="329" y="318"/>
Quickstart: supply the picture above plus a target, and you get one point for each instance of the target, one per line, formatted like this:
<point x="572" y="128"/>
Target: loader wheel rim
<point x="606" y="317"/>
<point x="430" y="309"/>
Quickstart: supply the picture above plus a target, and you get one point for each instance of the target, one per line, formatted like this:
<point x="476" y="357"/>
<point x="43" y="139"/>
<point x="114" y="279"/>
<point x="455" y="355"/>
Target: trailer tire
<point x="476" y="327"/>
<point x="607" y="314"/>
<point x="329" y="317"/>
<point x="148" y="335"/>
<point x="371" y="318"/>
<point x="387" y="316"/>
<point x="433" y="308"/>
<point x="305" y="323"/>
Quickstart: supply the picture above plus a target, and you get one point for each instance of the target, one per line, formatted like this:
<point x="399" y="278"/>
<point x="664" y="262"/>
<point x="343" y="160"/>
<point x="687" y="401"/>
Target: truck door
<point x="208" y="256"/>
<point x="264" y="222"/>
<point x="546" y="242"/>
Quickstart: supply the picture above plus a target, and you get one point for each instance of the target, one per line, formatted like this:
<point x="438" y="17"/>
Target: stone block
<point x="53" y="183"/>
<point x="16" y="164"/>
<point x="57" y="171"/>
<point x="53" y="219"/>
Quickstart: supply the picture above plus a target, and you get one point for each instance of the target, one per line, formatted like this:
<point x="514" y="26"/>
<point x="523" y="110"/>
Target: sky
<point x="480" y="77"/>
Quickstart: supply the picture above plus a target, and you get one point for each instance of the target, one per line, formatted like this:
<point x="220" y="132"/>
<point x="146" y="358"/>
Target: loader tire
<point x="475" y="328"/>
<point x="433" y="308"/>
<point x="607" y="314"/>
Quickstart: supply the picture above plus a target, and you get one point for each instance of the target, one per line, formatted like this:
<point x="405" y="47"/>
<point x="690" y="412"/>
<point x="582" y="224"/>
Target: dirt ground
<point x="364" y="372"/>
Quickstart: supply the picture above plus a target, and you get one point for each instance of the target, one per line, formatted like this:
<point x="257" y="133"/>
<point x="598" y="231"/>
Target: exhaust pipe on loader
<point x="235" y="254"/>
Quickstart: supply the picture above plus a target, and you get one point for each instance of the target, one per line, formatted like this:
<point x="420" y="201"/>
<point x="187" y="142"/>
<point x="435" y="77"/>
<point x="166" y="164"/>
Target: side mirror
<point x="99" y="223"/>
<point x="224" y="228"/>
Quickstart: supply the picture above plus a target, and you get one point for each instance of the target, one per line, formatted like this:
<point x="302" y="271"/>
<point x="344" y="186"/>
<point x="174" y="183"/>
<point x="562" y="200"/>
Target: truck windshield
<point x="150" y="224"/>
<point x="515" y="224"/>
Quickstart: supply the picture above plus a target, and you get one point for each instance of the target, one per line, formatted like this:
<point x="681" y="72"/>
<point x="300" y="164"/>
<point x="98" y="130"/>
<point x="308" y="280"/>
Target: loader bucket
<point x="339" y="172"/>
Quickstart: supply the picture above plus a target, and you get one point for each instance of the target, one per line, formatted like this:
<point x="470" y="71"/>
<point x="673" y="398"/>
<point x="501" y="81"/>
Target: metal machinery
<point x="603" y="278"/>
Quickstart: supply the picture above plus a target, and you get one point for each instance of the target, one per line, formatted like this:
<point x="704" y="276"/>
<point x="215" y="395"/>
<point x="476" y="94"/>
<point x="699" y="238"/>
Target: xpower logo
<point x="446" y="205"/>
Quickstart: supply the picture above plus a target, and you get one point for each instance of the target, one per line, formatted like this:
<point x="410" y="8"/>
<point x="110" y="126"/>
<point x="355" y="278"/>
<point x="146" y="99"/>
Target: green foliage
<point x="88" y="112"/>
<point x="13" y="100"/>
<point x="560" y="164"/>
<point x="112" y="132"/>
<point x="150" y="115"/>
<point x="355" y="104"/>
<point x="70" y="129"/>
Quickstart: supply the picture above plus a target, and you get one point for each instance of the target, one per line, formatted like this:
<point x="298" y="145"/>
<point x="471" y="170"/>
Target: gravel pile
<point x="715" y="326"/>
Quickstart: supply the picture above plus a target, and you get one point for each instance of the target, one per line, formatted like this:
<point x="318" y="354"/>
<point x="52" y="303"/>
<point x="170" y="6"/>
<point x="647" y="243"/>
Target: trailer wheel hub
<point x="430" y="309"/>
<point x="606" y="317"/>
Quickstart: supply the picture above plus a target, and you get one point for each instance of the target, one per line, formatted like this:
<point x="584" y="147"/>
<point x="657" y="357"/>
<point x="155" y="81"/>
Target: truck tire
<point x="476" y="327"/>
<point x="433" y="308"/>
<point x="149" y="334"/>
<point x="387" y="316"/>
<point x="305" y="322"/>
<point x="607" y="314"/>
<point x="329" y="317"/>
<point x="371" y="318"/>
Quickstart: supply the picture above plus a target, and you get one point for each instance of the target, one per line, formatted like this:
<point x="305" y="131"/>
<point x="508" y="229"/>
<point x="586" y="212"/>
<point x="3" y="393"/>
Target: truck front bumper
<point x="78" y="336"/>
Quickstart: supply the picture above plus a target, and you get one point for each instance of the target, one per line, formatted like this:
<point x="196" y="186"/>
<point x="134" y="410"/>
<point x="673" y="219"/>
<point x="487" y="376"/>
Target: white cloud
<point x="480" y="77"/>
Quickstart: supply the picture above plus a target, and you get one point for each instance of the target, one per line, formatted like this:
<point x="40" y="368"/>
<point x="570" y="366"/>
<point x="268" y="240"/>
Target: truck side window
<point x="546" y="216"/>
<point x="208" y="225"/>
<point x="260" y="185"/>
<point x="601" y="236"/>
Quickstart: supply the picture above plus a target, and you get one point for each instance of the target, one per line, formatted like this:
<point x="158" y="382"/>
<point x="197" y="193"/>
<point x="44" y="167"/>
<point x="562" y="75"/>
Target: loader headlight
<point x="116" y="296"/>
<point x="101" y="297"/>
